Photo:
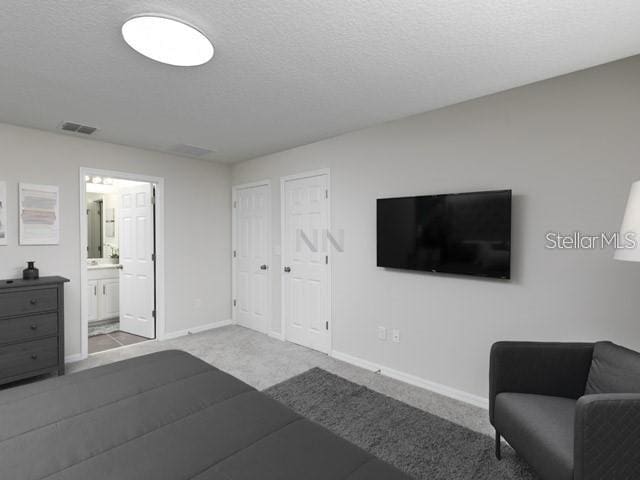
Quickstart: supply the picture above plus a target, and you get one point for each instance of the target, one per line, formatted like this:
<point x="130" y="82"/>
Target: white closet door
<point x="252" y="240"/>
<point x="306" y="272"/>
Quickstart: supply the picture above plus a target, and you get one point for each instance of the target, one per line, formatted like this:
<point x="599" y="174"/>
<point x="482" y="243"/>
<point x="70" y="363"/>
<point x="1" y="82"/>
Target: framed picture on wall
<point x="3" y="214"/>
<point x="39" y="214"/>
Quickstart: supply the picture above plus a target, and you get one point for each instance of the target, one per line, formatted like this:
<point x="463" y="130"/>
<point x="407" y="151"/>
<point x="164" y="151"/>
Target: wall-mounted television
<point x="462" y="233"/>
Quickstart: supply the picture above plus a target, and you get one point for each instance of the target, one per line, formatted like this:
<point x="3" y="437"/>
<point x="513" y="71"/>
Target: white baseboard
<point x="76" y="357"/>
<point x="198" y="329"/>
<point x="358" y="362"/>
<point x="413" y="380"/>
<point x="276" y="335"/>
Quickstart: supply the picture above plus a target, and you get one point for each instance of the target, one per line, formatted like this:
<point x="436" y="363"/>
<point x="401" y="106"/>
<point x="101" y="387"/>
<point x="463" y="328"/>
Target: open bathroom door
<point x="137" y="276"/>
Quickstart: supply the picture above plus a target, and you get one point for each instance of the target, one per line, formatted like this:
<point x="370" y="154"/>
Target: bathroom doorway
<point x="119" y="260"/>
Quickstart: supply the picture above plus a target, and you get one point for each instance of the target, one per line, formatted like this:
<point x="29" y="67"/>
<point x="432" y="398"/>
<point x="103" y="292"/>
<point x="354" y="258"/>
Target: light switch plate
<point x="382" y="333"/>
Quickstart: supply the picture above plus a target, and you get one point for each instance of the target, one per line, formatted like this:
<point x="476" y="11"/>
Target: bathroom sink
<point x="101" y="266"/>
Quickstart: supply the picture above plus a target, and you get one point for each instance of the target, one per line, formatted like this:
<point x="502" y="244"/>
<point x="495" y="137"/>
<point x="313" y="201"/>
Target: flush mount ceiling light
<point x="167" y="41"/>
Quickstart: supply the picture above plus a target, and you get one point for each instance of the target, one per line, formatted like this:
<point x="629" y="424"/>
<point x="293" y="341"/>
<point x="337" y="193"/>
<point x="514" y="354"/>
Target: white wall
<point x="197" y="221"/>
<point x="568" y="147"/>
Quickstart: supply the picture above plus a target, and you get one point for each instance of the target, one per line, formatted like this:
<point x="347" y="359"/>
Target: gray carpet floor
<point x="262" y="362"/>
<point x="421" y="444"/>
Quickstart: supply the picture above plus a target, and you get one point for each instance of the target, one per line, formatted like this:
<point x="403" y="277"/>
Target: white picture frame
<point x="39" y="214"/>
<point x="4" y="233"/>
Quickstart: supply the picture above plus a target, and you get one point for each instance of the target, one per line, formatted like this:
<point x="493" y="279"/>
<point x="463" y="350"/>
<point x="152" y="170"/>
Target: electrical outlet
<point x="395" y="335"/>
<point x="382" y="333"/>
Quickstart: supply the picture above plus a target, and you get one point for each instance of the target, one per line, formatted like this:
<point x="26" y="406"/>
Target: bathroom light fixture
<point x="167" y="40"/>
<point x="99" y="180"/>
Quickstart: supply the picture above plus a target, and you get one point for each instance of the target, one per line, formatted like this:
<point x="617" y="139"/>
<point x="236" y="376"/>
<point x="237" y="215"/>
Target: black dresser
<point x="31" y="328"/>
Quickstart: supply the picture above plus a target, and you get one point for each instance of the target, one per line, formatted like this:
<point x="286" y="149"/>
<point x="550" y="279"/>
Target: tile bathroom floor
<point x="107" y="341"/>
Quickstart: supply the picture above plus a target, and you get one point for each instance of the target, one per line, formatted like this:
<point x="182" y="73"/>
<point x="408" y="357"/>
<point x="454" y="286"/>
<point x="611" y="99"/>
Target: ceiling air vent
<point x="77" y="128"/>
<point x="189" y="150"/>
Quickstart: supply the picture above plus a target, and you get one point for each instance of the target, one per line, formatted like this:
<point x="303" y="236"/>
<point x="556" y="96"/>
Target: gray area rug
<point x="423" y="445"/>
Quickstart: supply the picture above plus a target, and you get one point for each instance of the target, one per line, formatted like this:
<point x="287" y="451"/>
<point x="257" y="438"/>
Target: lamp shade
<point x="631" y="225"/>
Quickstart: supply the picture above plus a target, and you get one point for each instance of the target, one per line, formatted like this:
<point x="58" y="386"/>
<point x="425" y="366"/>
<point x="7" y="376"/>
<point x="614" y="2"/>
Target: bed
<point x="167" y="415"/>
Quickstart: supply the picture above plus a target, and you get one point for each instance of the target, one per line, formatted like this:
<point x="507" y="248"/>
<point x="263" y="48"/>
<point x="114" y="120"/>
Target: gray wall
<point x="197" y="221"/>
<point x="568" y="147"/>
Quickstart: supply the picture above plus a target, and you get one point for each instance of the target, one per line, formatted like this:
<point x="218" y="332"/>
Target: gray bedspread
<point x="167" y="415"/>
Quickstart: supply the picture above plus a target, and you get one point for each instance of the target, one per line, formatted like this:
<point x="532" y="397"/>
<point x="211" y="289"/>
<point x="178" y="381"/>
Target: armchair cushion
<point x="614" y="369"/>
<point x="541" y="429"/>
<point x="607" y="437"/>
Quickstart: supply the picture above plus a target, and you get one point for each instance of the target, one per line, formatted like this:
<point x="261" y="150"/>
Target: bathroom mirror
<point x="102" y="223"/>
<point x="95" y="247"/>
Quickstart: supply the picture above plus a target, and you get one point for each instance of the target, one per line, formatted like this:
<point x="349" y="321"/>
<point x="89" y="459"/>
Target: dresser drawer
<point x="18" y="329"/>
<point x="28" y="301"/>
<point x="28" y="357"/>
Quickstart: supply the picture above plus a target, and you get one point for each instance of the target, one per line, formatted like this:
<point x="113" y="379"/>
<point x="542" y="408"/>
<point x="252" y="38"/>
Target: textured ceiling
<point x="289" y="72"/>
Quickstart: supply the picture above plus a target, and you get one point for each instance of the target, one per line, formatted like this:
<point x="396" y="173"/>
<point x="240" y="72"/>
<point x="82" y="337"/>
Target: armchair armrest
<point x="607" y="437"/>
<point x="558" y="369"/>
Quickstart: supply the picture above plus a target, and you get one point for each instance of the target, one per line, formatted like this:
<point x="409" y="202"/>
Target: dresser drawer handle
<point x="33" y="301"/>
<point x="34" y="356"/>
<point x="34" y="327"/>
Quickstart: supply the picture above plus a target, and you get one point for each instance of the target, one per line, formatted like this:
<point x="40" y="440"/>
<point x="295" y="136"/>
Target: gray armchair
<point x="571" y="410"/>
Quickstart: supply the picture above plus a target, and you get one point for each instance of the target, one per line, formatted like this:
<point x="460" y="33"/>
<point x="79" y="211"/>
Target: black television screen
<point x="463" y="233"/>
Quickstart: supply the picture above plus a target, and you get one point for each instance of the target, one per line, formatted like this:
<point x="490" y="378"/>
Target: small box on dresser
<point x="31" y="328"/>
